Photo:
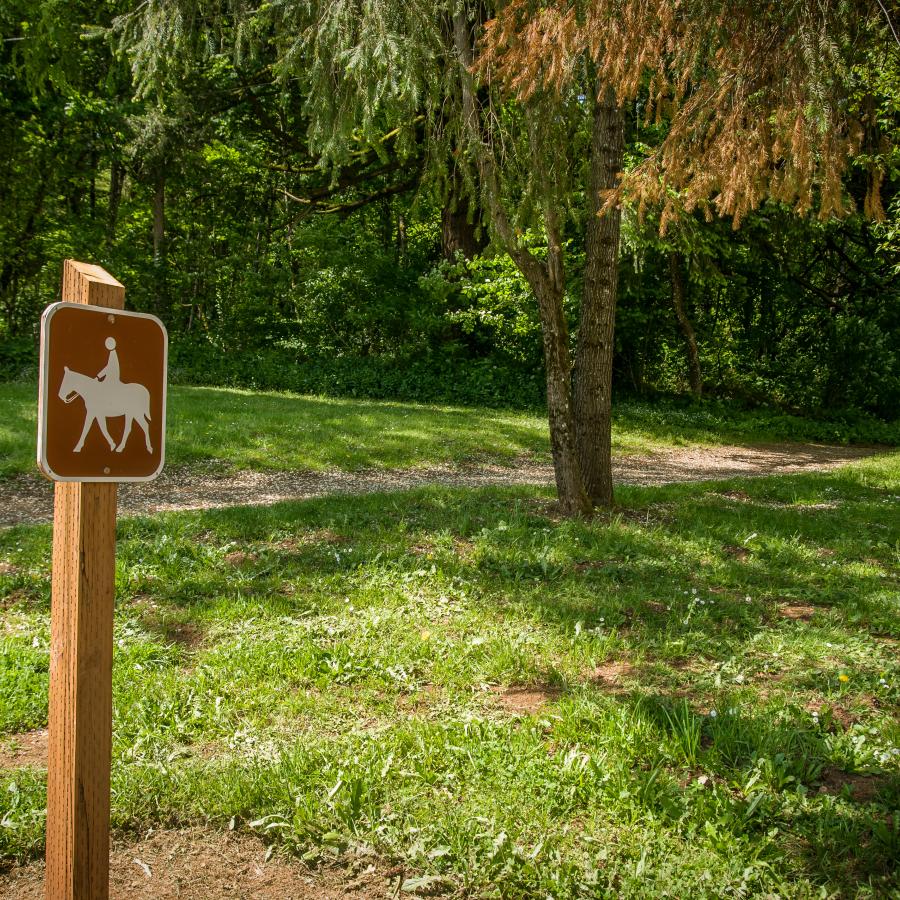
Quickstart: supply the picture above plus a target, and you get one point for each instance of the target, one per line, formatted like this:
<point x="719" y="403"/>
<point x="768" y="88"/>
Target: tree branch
<point x="530" y="265"/>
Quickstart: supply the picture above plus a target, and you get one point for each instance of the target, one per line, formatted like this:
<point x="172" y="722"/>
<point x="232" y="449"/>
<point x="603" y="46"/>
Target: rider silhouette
<point x="105" y="397"/>
<point x="110" y="372"/>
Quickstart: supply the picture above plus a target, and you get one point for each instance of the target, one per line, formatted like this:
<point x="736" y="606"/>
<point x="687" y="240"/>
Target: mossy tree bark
<point x="592" y="377"/>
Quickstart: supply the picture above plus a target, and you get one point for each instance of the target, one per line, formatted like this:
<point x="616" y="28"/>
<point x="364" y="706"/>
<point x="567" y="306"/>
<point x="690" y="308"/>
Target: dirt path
<point x="202" y="864"/>
<point x="29" y="499"/>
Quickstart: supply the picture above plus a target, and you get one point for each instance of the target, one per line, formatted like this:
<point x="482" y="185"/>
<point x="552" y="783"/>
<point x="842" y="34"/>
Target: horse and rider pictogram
<point x="87" y="420"/>
<point x="106" y="397"/>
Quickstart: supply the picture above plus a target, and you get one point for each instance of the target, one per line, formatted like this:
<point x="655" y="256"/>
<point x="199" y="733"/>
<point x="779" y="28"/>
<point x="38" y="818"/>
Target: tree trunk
<point x="458" y="233"/>
<point x="159" y="239"/>
<point x="401" y="238"/>
<point x="387" y="223"/>
<point x="679" y="295"/>
<point x="20" y="262"/>
<point x="92" y="189"/>
<point x="546" y="280"/>
<point x="573" y="498"/>
<point x="116" y="186"/>
<point x="159" y="220"/>
<point x="592" y="377"/>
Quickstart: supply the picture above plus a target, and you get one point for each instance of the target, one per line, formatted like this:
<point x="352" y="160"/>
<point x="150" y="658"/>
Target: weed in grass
<point x="684" y="733"/>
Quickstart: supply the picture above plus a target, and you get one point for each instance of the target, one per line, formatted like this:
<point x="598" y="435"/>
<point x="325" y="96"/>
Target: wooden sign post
<point x="83" y="592"/>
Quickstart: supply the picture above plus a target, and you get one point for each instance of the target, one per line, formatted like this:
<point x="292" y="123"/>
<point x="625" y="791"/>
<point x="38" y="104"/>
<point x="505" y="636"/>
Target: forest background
<point x="273" y="272"/>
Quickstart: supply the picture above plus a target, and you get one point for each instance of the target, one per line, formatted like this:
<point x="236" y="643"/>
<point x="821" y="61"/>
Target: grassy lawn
<point x="697" y="696"/>
<point x="251" y="430"/>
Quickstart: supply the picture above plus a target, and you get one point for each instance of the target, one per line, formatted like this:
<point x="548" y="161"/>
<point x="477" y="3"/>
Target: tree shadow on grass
<point x="566" y="572"/>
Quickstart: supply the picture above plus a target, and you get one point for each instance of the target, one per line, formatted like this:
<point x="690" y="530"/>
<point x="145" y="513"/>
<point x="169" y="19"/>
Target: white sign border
<point x="43" y="396"/>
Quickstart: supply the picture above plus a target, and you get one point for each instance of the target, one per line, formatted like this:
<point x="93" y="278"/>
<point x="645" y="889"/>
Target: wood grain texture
<point x="80" y="719"/>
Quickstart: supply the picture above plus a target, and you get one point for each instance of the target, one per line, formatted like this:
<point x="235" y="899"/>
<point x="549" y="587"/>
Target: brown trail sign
<point x="99" y="367"/>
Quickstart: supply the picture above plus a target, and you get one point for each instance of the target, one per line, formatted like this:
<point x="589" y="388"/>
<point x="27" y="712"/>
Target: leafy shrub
<point x="428" y="377"/>
<point x="717" y="419"/>
<point x="18" y="359"/>
<point x="489" y="304"/>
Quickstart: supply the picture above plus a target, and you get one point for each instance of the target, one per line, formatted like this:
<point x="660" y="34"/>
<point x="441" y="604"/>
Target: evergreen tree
<point x="751" y="97"/>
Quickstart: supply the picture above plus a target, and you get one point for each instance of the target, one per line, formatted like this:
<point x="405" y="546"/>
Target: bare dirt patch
<point x="610" y="675"/>
<point x="29" y="498"/>
<point x="736" y="552"/>
<point x="686" y="664"/>
<point x="420" y="704"/>
<point x="202" y="864"/>
<point x="12" y="598"/>
<point x="588" y="565"/>
<point x="185" y="634"/>
<point x="464" y="549"/>
<point x="240" y="558"/>
<point x="714" y="463"/>
<point x="799" y="612"/>
<point x="28" y="749"/>
<point x="422" y="549"/>
<point x="310" y="539"/>
<point x="741" y="496"/>
<point x="861" y="788"/>
<point x="525" y="700"/>
<point x="188" y="635"/>
<point x="8" y="569"/>
<point x="831" y="714"/>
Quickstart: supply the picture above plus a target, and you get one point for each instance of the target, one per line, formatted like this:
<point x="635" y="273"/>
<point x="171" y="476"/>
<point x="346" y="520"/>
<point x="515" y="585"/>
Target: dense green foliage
<point x="802" y="314"/>
<point x="712" y="681"/>
<point x="203" y="197"/>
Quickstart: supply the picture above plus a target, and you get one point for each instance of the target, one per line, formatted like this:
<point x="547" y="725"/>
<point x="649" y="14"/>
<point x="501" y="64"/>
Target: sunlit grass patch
<point x="228" y="428"/>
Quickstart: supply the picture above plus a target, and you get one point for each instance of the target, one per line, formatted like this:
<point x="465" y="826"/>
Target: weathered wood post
<point x="76" y="449"/>
<point x="81" y="646"/>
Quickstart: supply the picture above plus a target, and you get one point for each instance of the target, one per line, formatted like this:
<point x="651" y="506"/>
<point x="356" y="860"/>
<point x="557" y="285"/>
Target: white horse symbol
<point x="108" y="399"/>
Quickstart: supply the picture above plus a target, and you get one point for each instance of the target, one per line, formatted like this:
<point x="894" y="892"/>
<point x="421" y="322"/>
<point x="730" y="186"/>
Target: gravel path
<point x="29" y="498"/>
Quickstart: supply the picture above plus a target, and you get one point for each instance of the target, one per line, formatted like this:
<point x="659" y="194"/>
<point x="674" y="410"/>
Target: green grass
<point x="331" y="674"/>
<point x="252" y="430"/>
